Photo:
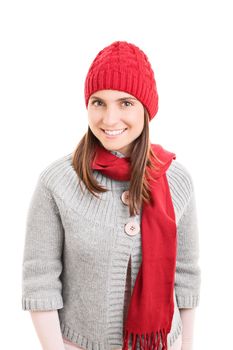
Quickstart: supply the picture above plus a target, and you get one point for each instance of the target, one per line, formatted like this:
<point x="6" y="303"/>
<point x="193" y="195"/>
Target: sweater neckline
<point x="118" y="154"/>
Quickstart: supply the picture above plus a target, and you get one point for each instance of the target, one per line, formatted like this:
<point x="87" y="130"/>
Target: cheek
<point x="93" y="118"/>
<point x="137" y="122"/>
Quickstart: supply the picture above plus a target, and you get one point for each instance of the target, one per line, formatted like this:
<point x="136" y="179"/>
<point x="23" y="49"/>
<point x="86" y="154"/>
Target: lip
<point x="113" y="136"/>
<point x="114" y="129"/>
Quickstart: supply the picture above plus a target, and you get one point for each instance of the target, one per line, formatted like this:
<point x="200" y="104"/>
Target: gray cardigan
<point x="79" y="260"/>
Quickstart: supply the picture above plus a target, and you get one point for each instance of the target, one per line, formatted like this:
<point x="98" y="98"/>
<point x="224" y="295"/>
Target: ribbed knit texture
<point x="77" y="254"/>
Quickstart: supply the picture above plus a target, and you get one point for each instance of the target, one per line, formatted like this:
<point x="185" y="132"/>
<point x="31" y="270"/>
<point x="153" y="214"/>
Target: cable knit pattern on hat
<point x="125" y="67"/>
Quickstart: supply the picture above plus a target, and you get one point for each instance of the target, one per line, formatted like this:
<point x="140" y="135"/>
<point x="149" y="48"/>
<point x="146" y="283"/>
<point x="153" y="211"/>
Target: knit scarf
<point x="151" y="306"/>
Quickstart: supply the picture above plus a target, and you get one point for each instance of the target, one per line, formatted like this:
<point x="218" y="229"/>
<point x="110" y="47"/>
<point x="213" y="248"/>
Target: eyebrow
<point x="119" y="99"/>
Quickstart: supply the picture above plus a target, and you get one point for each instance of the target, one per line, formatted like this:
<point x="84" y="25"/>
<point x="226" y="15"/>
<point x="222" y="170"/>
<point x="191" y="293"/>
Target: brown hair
<point x="140" y="157"/>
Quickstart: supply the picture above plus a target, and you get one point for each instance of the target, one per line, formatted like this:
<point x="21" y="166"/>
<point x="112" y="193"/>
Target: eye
<point x="128" y="102"/>
<point x="94" y="101"/>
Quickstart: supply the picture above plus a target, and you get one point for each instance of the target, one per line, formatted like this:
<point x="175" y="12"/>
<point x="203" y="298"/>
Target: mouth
<point x="113" y="133"/>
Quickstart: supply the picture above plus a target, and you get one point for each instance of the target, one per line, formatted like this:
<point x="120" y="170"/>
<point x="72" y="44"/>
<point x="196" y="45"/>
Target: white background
<point x="46" y="50"/>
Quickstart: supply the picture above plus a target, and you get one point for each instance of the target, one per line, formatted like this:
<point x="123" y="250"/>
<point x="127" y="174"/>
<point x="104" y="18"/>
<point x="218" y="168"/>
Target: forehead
<point x="111" y="94"/>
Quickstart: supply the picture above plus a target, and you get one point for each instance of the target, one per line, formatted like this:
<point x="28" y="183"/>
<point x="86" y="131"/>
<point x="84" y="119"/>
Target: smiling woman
<point x="112" y="238"/>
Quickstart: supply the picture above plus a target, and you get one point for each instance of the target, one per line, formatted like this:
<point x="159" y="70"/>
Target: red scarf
<point x="151" y="306"/>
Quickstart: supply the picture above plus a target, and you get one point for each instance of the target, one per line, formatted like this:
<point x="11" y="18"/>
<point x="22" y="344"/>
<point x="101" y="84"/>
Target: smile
<point x="113" y="132"/>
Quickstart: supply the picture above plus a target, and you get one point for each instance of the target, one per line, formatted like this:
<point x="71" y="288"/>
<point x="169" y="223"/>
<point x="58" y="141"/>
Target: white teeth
<point x="115" y="132"/>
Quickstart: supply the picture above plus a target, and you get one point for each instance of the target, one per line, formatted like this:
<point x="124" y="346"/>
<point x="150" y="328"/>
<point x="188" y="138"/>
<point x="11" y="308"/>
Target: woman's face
<point x="113" y="110"/>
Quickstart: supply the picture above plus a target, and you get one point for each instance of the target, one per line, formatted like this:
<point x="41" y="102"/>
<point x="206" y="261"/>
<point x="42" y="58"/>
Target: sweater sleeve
<point x="188" y="272"/>
<point x="42" y="263"/>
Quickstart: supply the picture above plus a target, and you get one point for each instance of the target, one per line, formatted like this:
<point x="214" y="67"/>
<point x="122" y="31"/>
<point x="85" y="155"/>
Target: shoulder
<point x="180" y="182"/>
<point x="57" y="171"/>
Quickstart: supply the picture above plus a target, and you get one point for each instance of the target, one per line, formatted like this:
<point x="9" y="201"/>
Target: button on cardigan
<point x="81" y="255"/>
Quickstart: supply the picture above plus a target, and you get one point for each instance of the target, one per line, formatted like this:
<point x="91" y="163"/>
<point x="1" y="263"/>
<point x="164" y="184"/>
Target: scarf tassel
<point x="146" y="341"/>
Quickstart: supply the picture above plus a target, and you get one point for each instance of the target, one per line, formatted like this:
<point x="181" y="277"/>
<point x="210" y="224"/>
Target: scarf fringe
<point x="146" y="341"/>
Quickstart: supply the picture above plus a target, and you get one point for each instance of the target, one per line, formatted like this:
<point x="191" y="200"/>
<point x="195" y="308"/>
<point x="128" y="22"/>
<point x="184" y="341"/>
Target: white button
<point x="132" y="228"/>
<point x="125" y="197"/>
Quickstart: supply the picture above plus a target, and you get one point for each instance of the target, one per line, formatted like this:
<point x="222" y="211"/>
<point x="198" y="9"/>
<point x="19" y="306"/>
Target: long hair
<point x="140" y="157"/>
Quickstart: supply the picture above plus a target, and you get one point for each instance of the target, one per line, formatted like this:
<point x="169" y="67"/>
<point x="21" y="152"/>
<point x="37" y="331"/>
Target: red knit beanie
<point x="125" y="67"/>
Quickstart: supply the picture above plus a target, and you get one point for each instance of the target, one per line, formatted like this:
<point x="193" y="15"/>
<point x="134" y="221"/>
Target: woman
<point x="111" y="248"/>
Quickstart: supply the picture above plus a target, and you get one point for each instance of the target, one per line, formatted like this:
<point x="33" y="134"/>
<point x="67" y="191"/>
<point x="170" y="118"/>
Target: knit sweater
<point x="78" y="258"/>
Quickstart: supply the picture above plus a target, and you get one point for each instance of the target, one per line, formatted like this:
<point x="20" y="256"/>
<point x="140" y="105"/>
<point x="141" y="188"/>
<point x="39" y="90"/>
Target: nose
<point x="110" y="116"/>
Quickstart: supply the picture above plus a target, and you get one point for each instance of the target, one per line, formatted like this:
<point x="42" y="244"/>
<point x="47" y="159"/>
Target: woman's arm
<point x="187" y="317"/>
<point x="42" y="267"/>
<point x="42" y="256"/>
<point x="188" y="272"/>
<point x="48" y="330"/>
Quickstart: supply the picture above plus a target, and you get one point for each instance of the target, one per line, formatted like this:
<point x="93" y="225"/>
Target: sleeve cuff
<point x="187" y="301"/>
<point x="42" y="304"/>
